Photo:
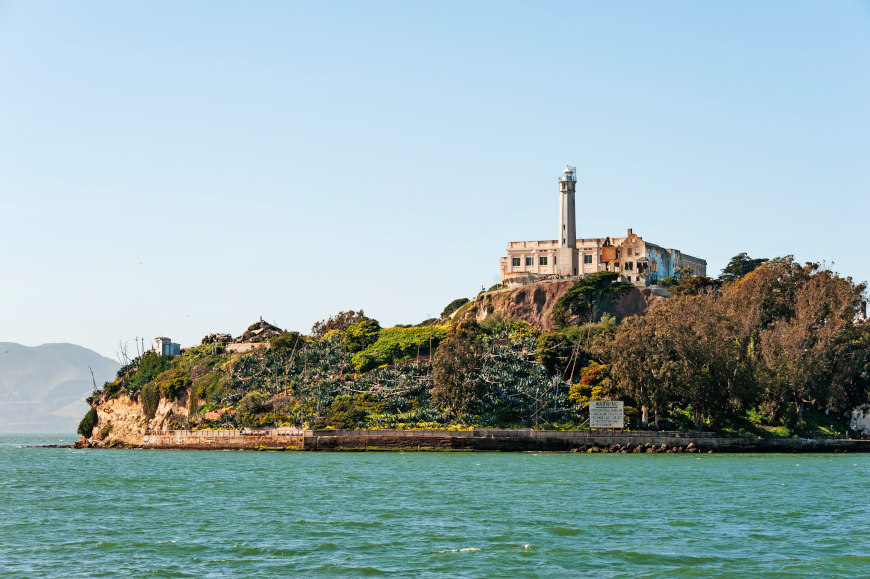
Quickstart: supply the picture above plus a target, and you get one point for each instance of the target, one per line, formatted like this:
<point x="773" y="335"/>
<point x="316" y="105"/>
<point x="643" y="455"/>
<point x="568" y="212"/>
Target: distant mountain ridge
<point x="43" y="388"/>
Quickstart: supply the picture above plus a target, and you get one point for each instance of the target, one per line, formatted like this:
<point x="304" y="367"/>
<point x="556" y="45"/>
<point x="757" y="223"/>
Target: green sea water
<point x="137" y="513"/>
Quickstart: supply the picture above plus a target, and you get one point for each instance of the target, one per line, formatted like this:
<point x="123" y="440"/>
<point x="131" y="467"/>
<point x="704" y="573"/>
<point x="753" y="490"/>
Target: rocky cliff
<point x="534" y="303"/>
<point x="122" y="420"/>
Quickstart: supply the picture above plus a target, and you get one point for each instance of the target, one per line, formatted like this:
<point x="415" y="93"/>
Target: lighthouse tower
<point x="566" y="255"/>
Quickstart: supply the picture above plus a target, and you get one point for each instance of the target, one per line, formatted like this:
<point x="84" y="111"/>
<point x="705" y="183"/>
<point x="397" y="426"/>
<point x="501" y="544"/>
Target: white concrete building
<point x="166" y="347"/>
<point x="636" y="260"/>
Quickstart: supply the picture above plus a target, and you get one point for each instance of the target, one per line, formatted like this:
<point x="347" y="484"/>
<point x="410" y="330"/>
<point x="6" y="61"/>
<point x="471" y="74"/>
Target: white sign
<point x="606" y="414"/>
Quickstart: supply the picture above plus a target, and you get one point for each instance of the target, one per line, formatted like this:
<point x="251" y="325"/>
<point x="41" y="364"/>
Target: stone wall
<point x="486" y="439"/>
<point x="272" y="439"/>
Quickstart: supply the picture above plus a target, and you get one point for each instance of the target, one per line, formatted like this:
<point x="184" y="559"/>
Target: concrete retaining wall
<point x="485" y="439"/>
<point x="272" y="439"/>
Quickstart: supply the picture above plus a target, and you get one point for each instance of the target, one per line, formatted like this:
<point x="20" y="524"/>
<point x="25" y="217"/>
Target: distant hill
<point x="43" y="388"/>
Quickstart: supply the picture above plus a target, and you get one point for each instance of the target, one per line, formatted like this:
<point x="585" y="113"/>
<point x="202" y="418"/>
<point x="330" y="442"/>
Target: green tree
<point x="362" y="334"/>
<point x="589" y="298"/>
<point x="641" y="361"/>
<point x="739" y="266"/>
<point x="800" y="351"/>
<point x="340" y="321"/>
<point x="553" y="350"/>
<point x="456" y="366"/>
<point x="693" y="285"/>
<point x="286" y="342"/>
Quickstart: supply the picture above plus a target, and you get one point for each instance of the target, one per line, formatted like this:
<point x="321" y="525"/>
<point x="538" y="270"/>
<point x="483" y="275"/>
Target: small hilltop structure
<point x="163" y="346"/>
<point x="636" y="260"/>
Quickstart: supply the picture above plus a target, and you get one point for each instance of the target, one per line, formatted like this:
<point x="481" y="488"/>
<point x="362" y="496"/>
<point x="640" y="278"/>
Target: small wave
<point x="565" y="531"/>
<point x="462" y="550"/>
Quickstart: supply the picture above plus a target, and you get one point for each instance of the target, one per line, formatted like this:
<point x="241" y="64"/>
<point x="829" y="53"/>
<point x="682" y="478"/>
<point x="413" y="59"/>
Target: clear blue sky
<point x="181" y="168"/>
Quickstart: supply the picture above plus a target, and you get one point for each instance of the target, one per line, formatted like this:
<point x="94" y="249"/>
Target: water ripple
<point x="213" y="514"/>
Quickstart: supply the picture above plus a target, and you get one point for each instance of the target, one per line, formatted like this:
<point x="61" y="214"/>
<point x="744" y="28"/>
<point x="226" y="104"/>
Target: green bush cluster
<point x="206" y="388"/>
<point x="150" y="366"/>
<point x="150" y="398"/>
<point x="173" y="383"/>
<point x="500" y="326"/>
<point x="86" y="426"/>
<point x="361" y="335"/>
<point x="397" y="345"/>
<point x="287" y="341"/>
<point x="350" y="412"/>
<point x="453" y="306"/>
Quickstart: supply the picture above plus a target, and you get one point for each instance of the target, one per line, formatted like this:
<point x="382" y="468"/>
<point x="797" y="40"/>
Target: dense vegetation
<point x="776" y="350"/>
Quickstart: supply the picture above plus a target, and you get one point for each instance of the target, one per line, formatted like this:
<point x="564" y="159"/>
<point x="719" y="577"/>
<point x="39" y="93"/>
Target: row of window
<point x="530" y="261"/>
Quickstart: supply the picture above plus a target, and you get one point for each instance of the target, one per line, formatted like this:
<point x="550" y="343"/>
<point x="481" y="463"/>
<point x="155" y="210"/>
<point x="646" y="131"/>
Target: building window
<point x="529" y="261"/>
<point x="629" y="265"/>
<point x="515" y="262"/>
<point x="630" y="251"/>
<point x="587" y="258"/>
<point x="542" y="261"/>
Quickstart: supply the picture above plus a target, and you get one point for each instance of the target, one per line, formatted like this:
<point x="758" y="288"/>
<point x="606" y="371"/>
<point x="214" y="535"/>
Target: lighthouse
<point x="566" y="255"/>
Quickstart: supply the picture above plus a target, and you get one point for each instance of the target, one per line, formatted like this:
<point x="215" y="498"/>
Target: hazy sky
<point x="181" y="168"/>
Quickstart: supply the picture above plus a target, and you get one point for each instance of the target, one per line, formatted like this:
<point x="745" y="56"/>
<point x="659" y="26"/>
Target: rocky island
<point x="763" y="361"/>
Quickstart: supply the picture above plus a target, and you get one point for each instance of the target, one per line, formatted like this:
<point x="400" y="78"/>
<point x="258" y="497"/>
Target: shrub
<point x="592" y="385"/>
<point x="251" y="410"/>
<point x="150" y="366"/>
<point x="340" y="321"/>
<point x="205" y="387"/>
<point x="349" y="412"/>
<point x="173" y="383"/>
<point x="361" y="335"/>
<point x="453" y="306"/>
<point x="252" y="403"/>
<point x="398" y="344"/>
<point x="286" y="342"/>
<point x="334" y="335"/>
<point x="150" y="398"/>
<point x="86" y="426"/>
<point x="499" y="325"/>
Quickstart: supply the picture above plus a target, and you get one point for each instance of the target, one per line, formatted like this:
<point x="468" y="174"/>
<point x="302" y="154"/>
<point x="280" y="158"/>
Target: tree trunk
<point x="799" y="405"/>
<point x="644" y="415"/>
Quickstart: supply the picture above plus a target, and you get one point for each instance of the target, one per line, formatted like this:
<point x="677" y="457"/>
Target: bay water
<point x="144" y="513"/>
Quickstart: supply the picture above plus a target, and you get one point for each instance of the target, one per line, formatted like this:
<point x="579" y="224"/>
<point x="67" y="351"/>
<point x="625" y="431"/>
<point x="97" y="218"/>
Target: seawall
<point x="486" y="439"/>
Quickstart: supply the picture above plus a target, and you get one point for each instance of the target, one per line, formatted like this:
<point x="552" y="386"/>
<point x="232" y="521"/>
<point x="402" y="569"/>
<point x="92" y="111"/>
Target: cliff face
<point x="128" y="420"/>
<point x="534" y="303"/>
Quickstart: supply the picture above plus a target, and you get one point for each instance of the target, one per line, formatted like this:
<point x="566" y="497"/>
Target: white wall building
<point x="636" y="260"/>
<point x="166" y="347"/>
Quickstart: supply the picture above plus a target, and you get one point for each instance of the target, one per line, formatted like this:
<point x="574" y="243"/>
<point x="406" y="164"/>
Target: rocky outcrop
<point x="259" y="332"/>
<point x="122" y="421"/>
<point x="534" y="303"/>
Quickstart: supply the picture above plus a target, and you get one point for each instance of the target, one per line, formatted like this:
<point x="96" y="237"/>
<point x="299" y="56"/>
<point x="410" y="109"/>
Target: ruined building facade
<point x="636" y="260"/>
